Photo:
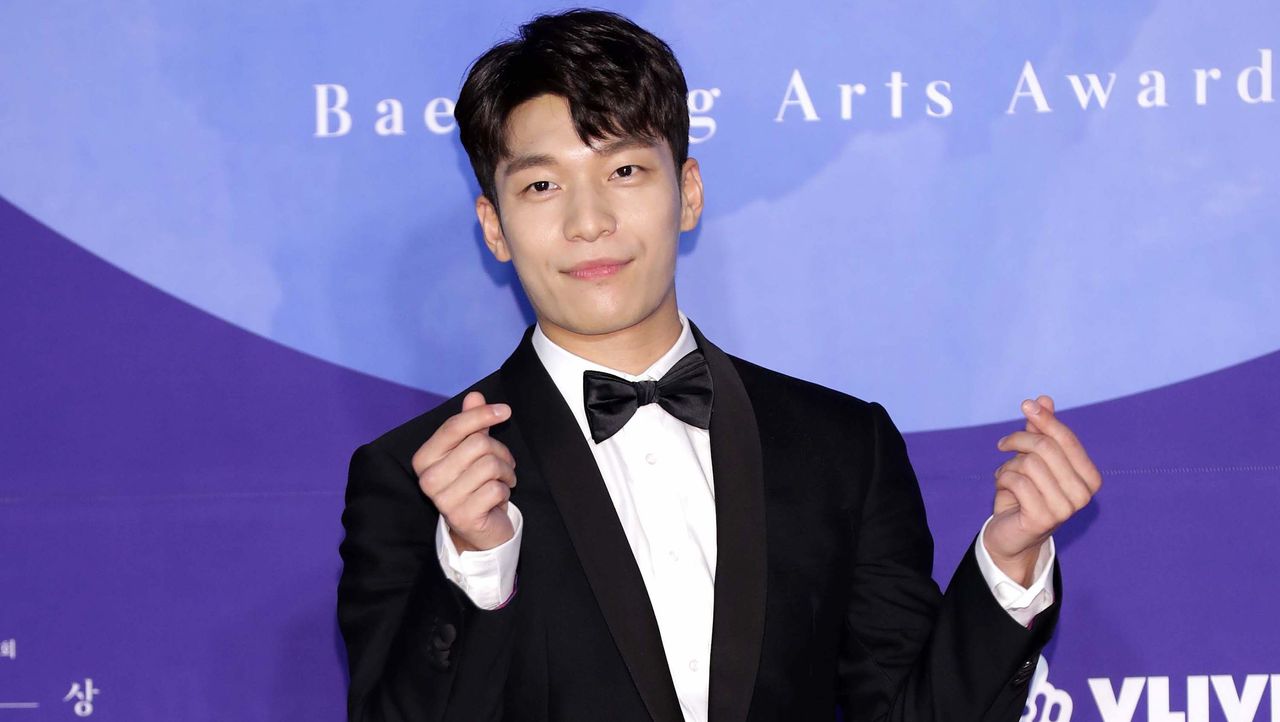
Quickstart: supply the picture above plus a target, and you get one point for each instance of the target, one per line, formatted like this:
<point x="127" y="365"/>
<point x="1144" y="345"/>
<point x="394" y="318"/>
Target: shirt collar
<point x="566" y="367"/>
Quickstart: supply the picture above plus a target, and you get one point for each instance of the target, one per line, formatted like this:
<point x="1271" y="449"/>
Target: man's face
<point x="564" y="203"/>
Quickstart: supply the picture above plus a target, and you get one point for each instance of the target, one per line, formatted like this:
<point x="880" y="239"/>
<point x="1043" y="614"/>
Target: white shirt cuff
<point x="1022" y="603"/>
<point x="487" y="576"/>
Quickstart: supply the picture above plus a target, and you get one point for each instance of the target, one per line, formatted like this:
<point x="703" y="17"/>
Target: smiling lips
<point x="599" y="268"/>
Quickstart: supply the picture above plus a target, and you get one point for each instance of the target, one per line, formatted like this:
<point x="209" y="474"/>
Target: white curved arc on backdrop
<point x="949" y="266"/>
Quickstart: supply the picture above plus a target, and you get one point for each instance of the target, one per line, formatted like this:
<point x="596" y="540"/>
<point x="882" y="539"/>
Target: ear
<point x="491" y="224"/>
<point x="690" y="194"/>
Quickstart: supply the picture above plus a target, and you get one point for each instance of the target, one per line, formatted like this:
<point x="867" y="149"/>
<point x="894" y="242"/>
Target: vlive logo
<point x="1046" y="703"/>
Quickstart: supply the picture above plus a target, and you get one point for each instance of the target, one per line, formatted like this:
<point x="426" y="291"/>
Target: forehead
<point x="542" y="118"/>
<point x="543" y="126"/>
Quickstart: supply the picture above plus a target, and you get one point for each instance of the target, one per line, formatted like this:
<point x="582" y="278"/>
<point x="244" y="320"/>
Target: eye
<point x="539" y="187"/>
<point x="628" y="170"/>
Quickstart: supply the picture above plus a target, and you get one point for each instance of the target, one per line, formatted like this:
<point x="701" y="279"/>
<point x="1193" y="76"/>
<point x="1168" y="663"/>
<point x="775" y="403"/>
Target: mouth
<point x="596" y="269"/>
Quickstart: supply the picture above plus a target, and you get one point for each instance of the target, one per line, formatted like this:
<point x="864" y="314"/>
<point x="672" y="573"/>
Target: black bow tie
<point x="684" y="392"/>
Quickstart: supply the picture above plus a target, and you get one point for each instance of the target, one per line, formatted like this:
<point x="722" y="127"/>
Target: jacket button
<point x="439" y="658"/>
<point x="443" y="635"/>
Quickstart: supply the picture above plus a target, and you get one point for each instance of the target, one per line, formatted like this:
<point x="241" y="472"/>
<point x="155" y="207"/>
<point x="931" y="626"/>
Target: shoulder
<point x="775" y="387"/>
<point x="781" y="399"/>
<point x="401" y="441"/>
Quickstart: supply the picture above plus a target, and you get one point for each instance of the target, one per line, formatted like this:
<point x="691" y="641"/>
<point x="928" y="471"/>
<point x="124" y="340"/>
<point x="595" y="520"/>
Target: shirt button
<point x="674" y="557"/>
<point x="693" y="665"/>
<point x="651" y="457"/>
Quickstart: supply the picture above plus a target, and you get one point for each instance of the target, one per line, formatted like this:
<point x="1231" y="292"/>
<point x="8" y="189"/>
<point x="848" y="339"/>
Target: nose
<point x="588" y="216"/>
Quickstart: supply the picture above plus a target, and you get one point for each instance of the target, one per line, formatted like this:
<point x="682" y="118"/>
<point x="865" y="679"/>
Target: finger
<point x="446" y="470"/>
<point x="476" y="446"/>
<point x="489" y="495"/>
<point x="473" y="400"/>
<point x="1077" y="490"/>
<point x="1031" y="504"/>
<point x="1000" y="469"/>
<point x="480" y="416"/>
<point x="1043" y="418"/>
<point x="1045" y="402"/>
<point x="1032" y="409"/>
<point x="1060" y="507"/>
<point x="1053" y="456"/>
<point x="483" y="470"/>
<point x="1004" y="500"/>
<point x="1073" y="487"/>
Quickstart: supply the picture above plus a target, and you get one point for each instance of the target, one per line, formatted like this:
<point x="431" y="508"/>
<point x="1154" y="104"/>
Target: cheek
<point x="531" y="267"/>
<point x="654" y="213"/>
<point x="537" y="275"/>
<point x="526" y="239"/>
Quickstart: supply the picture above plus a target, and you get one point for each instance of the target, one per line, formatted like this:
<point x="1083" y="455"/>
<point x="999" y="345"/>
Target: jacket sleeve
<point x="417" y="648"/>
<point x="910" y="653"/>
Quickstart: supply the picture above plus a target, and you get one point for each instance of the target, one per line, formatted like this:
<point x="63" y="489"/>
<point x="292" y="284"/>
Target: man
<point x="692" y="536"/>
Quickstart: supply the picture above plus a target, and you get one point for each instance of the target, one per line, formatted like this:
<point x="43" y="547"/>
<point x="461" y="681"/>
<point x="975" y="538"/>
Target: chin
<point x="603" y="322"/>
<point x="601" y="326"/>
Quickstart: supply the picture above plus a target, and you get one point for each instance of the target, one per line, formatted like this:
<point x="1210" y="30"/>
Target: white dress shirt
<point x="657" y="470"/>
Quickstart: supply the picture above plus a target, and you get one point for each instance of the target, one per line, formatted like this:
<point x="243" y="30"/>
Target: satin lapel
<point x="738" y="467"/>
<point x="570" y="470"/>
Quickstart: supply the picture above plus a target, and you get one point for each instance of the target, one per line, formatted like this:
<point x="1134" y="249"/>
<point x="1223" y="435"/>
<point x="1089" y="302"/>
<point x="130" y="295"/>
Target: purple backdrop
<point x="169" y="513"/>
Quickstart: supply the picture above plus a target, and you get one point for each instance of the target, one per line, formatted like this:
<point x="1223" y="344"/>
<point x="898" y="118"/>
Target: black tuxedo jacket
<point x="823" y="593"/>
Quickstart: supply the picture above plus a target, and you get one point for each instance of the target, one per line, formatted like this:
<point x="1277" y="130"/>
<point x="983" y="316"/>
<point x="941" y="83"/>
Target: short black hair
<point x="620" y="81"/>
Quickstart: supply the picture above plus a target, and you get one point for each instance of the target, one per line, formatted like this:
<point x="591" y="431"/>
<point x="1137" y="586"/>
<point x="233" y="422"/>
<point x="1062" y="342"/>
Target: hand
<point x="468" y="475"/>
<point x="1037" y="490"/>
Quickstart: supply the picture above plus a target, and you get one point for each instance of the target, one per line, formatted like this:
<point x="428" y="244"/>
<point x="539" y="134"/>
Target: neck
<point x="632" y="349"/>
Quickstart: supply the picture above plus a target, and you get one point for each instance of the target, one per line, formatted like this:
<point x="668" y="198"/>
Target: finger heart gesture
<point x="1048" y="480"/>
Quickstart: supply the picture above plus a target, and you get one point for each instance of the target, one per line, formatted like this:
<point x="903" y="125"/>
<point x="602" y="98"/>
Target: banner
<point x="237" y="241"/>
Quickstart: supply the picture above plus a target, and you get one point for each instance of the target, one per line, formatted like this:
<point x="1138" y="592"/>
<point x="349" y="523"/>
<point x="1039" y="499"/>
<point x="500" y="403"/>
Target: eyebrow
<point x="533" y="160"/>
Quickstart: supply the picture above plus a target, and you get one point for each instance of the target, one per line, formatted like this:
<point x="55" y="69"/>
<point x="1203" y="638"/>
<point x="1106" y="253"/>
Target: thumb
<point x="474" y="399"/>
<point x="1046" y="406"/>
